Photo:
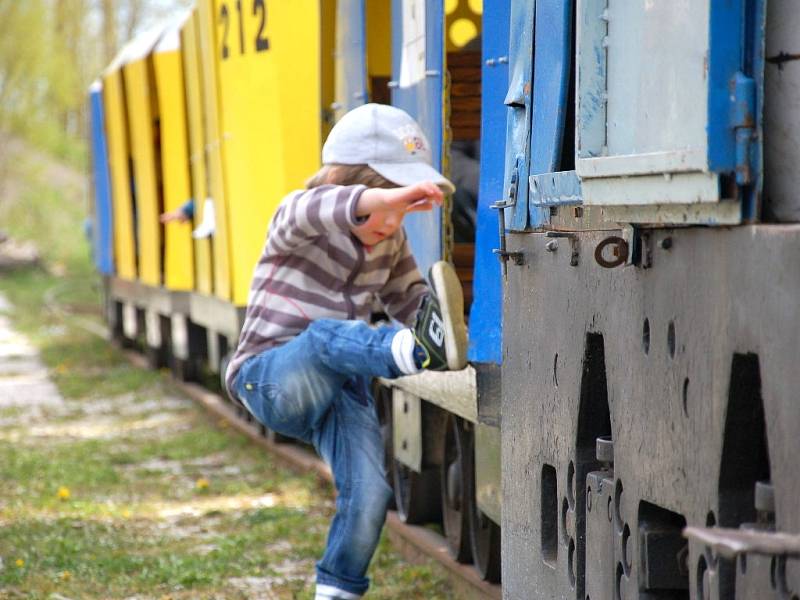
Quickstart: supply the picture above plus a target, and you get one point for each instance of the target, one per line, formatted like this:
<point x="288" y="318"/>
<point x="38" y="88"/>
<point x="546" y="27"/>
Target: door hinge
<point x="743" y="122"/>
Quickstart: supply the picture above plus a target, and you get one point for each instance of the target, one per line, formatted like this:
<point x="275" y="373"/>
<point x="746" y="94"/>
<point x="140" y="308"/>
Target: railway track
<point x="414" y="542"/>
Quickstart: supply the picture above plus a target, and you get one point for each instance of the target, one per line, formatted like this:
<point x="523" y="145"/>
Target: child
<point x="306" y="353"/>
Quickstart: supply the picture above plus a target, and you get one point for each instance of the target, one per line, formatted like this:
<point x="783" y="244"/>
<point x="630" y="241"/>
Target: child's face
<point x="379" y="226"/>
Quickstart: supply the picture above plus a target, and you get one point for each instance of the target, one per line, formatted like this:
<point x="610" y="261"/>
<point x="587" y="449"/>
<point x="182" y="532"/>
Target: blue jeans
<point x="316" y="388"/>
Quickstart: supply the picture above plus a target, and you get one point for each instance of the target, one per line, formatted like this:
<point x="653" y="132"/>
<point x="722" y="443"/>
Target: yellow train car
<point x="204" y="15"/>
<point x="143" y="123"/>
<point x="254" y="93"/>
<point x="174" y="152"/>
<point x="116" y="125"/>
<point x="229" y="106"/>
<point x="269" y="106"/>
<point x="193" y="98"/>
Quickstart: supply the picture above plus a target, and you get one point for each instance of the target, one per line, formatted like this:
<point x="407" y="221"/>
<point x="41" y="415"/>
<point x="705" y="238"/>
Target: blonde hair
<point x="348" y="175"/>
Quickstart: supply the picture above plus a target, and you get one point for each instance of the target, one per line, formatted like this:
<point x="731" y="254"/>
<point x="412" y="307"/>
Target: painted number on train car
<point x="261" y="41"/>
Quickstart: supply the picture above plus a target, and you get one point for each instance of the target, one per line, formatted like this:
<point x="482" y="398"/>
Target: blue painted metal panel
<point x="735" y="94"/>
<point x="519" y="102"/>
<point x="102" y="229"/>
<point x="725" y="59"/>
<point x="555" y="189"/>
<point x="485" y="320"/>
<point x="423" y="101"/>
<point x="351" y="50"/>
<point x="551" y="77"/>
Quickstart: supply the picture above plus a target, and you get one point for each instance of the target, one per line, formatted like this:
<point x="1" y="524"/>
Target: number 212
<point x="261" y="41"/>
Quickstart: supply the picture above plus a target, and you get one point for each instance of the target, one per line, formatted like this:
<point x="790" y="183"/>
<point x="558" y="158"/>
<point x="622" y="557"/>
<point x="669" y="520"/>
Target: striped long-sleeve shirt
<point x="313" y="267"/>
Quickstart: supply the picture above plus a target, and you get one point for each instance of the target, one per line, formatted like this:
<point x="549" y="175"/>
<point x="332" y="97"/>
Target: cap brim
<point x="409" y="173"/>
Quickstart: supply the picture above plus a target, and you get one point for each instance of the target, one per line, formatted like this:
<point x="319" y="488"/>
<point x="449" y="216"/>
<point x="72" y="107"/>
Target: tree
<point x="51" y="50"/>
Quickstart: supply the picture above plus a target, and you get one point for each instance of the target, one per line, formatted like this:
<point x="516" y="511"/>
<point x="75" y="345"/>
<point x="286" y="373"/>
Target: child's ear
<point x="331" y="174"/>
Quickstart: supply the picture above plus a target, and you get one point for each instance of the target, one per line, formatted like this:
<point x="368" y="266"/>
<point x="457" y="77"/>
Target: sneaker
<point x="440" y="329"/>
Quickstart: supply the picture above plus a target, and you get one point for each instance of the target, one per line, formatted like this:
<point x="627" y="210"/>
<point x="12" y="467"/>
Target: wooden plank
<point x="457" y="59"/>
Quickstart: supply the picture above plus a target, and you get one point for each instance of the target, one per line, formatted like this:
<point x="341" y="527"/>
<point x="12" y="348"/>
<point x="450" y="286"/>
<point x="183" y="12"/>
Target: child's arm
<point x="405" y="288"/>
<point x="309" y="214"/>
<point x="306" y="215"/>
<point x="411" y="198"/>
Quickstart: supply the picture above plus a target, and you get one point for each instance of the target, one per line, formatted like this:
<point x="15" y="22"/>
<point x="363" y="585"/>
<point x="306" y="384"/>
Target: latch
<point x="501" y="252"/>
<point x="500" y="206"/>
<point x="743" y="122"/>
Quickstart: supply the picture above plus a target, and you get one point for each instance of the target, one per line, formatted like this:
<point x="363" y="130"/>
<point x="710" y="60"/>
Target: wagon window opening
<point x="463" y="58"/>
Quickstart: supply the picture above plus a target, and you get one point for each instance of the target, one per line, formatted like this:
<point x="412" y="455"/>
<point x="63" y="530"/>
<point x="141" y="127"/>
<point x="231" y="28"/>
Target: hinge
<point x="743" y="122"/>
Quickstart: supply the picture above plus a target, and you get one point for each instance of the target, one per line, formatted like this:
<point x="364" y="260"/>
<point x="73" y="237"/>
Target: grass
<point x="125" y="488"/>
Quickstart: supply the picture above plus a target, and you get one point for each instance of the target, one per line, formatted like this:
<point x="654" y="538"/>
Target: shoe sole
<point x="448" y="290"/>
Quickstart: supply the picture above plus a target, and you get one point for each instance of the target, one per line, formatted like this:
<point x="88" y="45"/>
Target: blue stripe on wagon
<point x="485" y="321"/>
<point x="103" y="223"/>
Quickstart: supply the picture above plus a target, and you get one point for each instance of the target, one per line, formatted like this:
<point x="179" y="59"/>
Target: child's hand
<point x="174" y="215"/>
<point x="412" y="198"/>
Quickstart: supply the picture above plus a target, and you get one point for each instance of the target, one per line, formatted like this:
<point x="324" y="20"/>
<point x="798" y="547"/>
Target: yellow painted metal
<point x="178" y="251"/>
<point x="327" y="63"/>
<point x="209" y="48"/>
<point x="379" y="34"/>
<point x="268" y="65"/>
<point x="117" y="132"/>
<point x="142" y="115"/>
<point x="197" y="159"/>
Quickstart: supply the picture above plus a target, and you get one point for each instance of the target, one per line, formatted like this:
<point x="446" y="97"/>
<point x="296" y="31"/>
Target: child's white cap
<point x="386" y="139"/>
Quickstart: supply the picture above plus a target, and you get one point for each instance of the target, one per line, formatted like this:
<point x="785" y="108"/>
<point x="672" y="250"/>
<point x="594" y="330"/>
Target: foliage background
<point x="50" y="52"/>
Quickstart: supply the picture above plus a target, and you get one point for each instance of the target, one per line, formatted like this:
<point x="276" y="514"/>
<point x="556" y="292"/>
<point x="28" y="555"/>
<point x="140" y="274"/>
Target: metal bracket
<point x="732" y="542"/>
<point x="500" y="206"/>
<point x="573" y="244"/>
<point x="782" y="57"/>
